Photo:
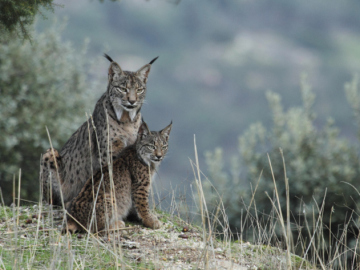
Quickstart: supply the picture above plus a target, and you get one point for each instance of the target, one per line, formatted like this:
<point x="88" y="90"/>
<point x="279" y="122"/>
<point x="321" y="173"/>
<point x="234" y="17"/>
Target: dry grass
<point x="31" y="238"/>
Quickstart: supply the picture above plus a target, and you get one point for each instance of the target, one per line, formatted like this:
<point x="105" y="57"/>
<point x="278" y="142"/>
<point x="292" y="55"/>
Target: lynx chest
<point x="122" y="133"/>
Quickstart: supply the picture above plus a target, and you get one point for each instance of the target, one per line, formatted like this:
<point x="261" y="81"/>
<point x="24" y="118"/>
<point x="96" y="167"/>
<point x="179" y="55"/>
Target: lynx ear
<point x="114" y="70"/>
<point x="166" y="131"/>
<point x="143" y="130"/>
<point x="143" y="72"/>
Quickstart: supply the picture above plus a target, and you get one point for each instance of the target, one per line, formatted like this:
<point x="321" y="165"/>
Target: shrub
<point x="44" y="82"/>
<point x="16" y="16"/>
<point x="318" y="162"/>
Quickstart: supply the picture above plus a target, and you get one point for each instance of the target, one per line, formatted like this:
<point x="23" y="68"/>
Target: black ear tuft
<point x="152" y="61"/>
<point x="108" y="57"/>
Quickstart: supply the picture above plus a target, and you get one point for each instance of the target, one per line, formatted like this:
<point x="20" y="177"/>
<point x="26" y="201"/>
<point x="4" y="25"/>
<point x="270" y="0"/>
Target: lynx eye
<point x="140" y="90"/>
<point x="151" y="147"/>
<point x="122" y="89"/>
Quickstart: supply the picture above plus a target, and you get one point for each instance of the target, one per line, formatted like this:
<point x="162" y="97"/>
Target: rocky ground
<point x="35" y="242"/>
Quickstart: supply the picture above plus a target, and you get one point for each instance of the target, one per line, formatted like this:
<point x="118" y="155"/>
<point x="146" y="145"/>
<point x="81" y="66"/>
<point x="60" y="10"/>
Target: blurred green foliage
<point x="45" y="83"/>
<point x="17" y="15"/>
<point x="321" y="166"/>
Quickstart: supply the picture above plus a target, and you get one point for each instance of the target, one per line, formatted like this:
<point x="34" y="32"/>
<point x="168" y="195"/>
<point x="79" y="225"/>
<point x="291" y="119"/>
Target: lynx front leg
<point x="108" y="214"/>
<point x="141" y="200"/>
<point x="50" y="168"/>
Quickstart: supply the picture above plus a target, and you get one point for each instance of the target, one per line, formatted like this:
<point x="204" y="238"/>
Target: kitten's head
<point x="152" y="146"/>
<point x="127" y="89"/>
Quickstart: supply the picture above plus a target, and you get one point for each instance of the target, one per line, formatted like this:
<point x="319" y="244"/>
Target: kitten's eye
<point x="140" y="90"/>
<point x="164" y="147"/>
<point x="122" y="89"/>
<point x="151" y="147"/>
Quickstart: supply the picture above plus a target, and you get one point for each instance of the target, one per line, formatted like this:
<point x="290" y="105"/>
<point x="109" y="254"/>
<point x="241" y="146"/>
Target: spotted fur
<point x="131" y="172"/>
<point x="116" y="118"/>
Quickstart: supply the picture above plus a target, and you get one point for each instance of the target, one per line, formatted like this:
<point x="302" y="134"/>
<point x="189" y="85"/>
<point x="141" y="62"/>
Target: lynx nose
<point x="131" y="98"/>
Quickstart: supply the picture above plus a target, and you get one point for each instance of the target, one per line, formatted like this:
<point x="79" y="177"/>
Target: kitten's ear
<point x="143" y="72"/>
<point x="166" y="131"/>
<point x="114" y="70"/>
<point x="143" y="130"/>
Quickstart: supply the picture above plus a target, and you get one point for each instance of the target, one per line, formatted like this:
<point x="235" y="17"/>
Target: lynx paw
<point x="117" y="225"/>
<point x="153" y="223"/>
<point x="72" y="226"/>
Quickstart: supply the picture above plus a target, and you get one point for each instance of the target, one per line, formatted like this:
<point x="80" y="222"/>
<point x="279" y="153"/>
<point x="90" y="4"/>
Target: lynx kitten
<point x="132" y="172"/>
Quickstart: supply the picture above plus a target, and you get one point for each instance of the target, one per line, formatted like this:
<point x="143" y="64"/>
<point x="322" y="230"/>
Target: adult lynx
<point x="116" y="120"/>
<point x="132" y="171"/>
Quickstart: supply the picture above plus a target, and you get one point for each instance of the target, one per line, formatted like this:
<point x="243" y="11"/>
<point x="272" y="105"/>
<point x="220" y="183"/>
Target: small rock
<point x="130" y="245"/>
<point x="28" y="221"/>
<point x="183" y="236"/>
